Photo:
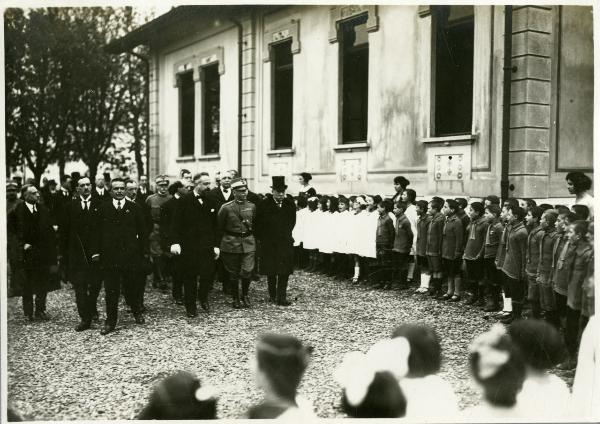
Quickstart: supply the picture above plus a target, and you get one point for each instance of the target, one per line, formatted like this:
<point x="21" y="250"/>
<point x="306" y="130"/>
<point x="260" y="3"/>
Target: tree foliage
<point x="67" y="97"/>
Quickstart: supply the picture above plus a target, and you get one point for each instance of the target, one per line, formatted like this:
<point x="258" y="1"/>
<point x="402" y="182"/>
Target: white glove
<point x="217" y="252"/>
<point x="176" y="249"/>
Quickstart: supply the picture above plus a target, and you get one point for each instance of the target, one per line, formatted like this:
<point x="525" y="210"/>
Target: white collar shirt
<point x="83" y="202"/>
<point x="31" y="206"/>
<point x="115" y="203"/>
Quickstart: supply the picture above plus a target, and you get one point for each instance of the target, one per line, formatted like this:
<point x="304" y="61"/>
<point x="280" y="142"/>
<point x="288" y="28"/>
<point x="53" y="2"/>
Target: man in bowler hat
<point x="275" y="220"/>
<point x="238" y="246"/>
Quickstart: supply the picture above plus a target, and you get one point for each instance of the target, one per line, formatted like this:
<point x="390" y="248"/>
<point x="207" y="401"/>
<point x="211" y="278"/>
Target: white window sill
<point x="281" y="152"/>
<point x="213" y="156"/>
<point x="182" y="159"/>
<point x="352" y="147"/>
<point x="451" y="139"/>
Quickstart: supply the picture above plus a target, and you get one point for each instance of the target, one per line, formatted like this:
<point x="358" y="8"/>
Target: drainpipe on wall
<point x="240" y="57"/>
<point x="508" y="70"/>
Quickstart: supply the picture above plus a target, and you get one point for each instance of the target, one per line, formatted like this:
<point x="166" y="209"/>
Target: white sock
<point x="356" y="271"/>
<point x="411" y="270"/>
<point x="425" y="280"/>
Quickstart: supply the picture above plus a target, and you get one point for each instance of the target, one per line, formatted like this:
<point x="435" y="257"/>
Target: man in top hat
<point x="236" y="227"/>
<point x="275" y="220"/>
<point x="155" y="202"/>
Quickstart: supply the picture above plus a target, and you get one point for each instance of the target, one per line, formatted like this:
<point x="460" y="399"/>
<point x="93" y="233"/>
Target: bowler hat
<point x="278" y="183"/>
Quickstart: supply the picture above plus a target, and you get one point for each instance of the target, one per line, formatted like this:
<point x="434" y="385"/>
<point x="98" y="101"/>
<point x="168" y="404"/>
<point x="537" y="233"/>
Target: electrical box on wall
<point x="351" y="171"/>
<point x="449" y="168"/>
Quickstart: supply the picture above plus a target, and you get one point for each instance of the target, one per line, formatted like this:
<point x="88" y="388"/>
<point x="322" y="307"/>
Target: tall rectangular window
<point x="282" y="94"/>
<point x="453" y="58"/>
<point x="186" y="114"/>
<point x="354" y="64"/>
<point x="211" y="106"/>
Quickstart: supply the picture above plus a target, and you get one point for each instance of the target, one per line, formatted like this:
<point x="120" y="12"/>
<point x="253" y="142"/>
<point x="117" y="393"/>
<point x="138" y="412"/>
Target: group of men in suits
<point x="104" y="237"/>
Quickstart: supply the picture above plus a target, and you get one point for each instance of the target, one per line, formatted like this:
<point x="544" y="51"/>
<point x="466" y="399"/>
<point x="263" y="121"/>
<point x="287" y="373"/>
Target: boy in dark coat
<point x="434" y="245"/>
<point x="474" y="253"/>
<point x="545" y="293"/>
<point x="532" y="258"/>
<point x="452" y="250"/>
<point x="514" y="263"/>
<point x="421" y="251"/>
<point x="403" y="240"/>
<point x="493" y="276"/>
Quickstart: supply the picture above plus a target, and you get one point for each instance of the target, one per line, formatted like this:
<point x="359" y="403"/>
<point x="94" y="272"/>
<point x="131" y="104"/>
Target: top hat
<point x="238" y="183"/>
<point x="278" y="183"/>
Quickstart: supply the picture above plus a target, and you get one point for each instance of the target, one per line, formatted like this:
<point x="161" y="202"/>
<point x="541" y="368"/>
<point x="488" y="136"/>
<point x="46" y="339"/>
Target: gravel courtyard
<point x="55" y="373"/>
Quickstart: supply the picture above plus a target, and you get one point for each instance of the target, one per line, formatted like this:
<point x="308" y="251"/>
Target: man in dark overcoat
<point x="177" y="190"/>
<point x="132" y="195"/>
<point x="31" y="224"/>
<point x="194" y="235"/>
<point x="78" y="222"/>
<point x="275" y="220"/>
<point x="120" y="245"/>
<point x="220" y="195"/>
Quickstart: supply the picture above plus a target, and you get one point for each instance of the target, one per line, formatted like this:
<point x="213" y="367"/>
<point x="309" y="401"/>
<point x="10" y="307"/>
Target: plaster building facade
<point x="359" y="94"/>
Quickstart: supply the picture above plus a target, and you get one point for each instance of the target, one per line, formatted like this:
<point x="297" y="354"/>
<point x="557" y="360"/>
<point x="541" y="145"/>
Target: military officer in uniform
<point x="238" y="247"/>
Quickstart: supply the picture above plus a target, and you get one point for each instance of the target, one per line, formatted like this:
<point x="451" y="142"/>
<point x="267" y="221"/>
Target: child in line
<point x="532" y="258"/>
<point x="493" y="276"/>
<point x="384" y="242"/>
<point x="423" y="221"/>
<point x="409" y="196"/>
<point x="475" y="252"/>
<point x="434" y="245"/>
<point x="403" y="241"/>
<point x="452" y="250"/>
<point x="577" y="271"/>
<point x="541" y="293"/>
<point x="514" y="263"/>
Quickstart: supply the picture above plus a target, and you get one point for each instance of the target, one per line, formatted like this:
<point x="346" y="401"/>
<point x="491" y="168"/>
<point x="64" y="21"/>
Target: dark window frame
<point x="186" y="119"/>
<point x="450" y="117"/>
<point x="210" y="77"/>
<point x="282" y="137"/>
<point x="352" y="132"/>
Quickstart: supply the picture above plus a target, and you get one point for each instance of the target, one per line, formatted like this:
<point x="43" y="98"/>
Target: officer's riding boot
<point x="272" y="286"/>
<point x="245" y="290"/>
<point x="235" y="292"/>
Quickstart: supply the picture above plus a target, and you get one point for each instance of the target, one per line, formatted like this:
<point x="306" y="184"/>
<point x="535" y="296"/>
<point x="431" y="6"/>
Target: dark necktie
<point x="86" y="207"/>
<point x="119" y="207"/>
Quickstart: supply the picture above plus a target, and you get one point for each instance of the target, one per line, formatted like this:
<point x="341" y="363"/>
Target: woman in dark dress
<point x="307" y="190"/>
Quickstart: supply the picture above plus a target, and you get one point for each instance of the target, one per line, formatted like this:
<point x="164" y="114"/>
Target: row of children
<point x="500" y="258"/>
<point x="399" y="377"/>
